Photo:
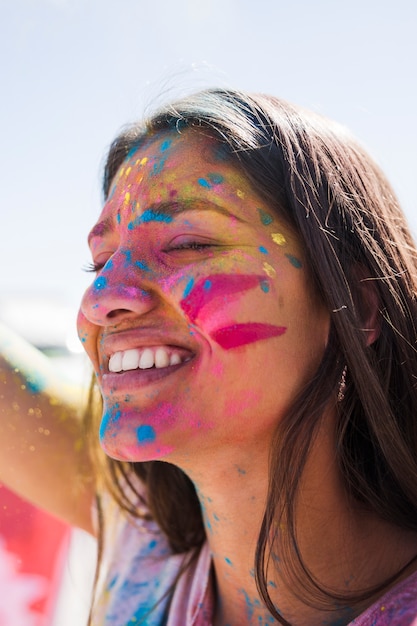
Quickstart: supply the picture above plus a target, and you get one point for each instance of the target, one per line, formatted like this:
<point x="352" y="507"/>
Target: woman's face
<point x="201" y="323"/>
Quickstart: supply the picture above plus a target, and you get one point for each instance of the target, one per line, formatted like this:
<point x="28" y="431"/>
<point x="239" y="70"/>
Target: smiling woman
<point x="251" y="328"/>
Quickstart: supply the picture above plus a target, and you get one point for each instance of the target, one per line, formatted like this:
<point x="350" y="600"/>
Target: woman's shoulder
<point x="397" y="607"/>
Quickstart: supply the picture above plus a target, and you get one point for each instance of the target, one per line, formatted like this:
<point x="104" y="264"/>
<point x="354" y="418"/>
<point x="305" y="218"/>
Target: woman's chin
<point x="134" y="452"/>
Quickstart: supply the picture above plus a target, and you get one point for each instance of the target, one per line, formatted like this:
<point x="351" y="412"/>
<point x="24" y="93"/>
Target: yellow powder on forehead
<point x="129" y="169"/>
<point x="279" y="239"/>
<point x="240" y="194"/>
<point x="127" y="197"/>
<point x="269" y="270"/>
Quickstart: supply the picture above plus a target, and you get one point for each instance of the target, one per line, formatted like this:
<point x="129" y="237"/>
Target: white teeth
<point x="147" y="359"/>
<point x="115" y="363"/>
<point x="130" y="360"/>
<point x="161" y="358"/>
<point x="175" y="359"/>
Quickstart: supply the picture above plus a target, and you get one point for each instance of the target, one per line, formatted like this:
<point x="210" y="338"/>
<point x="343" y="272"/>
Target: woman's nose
<point x="117" y="294"/>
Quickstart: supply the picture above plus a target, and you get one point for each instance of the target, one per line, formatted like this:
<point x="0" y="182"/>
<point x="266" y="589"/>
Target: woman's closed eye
<point x="192" y="242"/>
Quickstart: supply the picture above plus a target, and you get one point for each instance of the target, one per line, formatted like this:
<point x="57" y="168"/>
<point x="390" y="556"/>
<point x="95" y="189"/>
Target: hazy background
<point x="74" y="71"/>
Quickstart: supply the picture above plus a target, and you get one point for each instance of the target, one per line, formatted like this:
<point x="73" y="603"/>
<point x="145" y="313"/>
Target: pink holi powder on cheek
<point x="217" y="286"/>
<point x="238" y="335"/>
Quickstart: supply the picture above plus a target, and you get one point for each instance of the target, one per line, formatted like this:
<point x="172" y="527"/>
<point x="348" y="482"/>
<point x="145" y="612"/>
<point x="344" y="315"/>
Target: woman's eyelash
<point x="93" y="267"/>
<point x="192" y="245"/>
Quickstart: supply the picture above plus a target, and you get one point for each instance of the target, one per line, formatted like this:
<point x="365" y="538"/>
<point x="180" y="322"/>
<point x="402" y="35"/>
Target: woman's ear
<point x="368" y="305"/>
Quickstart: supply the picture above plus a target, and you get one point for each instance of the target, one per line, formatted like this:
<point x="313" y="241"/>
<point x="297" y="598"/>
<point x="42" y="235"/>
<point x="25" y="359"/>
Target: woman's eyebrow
<point x="101" y="229"/>
<point x="174" y="208"/>
<point x="160" y="211"/>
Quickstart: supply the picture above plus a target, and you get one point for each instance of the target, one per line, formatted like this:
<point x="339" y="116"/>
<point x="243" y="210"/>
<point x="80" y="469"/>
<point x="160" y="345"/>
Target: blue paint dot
<point x="264" y="286"/>
<point x="265" y="217"/>
<point x="142" y="266"/>
<point x="294" y="261"/>
<point x="188" y="287"/>
<point x="165" y="145"/>
<point x="228" y="561"/>
<point x="158" y="167"/>
<point x="100" y="283"/>
<point x="146" y="434"/>
<point x="152" y="544"/>
<point x="118" y="217"/>
<point x="263" y="250"/>
<point x="128" y="255"/>
<point x="216" y="179"/>
<point x="204" y="183"/>
<point x="207" y="284"/>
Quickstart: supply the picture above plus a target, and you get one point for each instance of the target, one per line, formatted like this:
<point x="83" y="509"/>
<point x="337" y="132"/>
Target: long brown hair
<point x="327" y="188"/>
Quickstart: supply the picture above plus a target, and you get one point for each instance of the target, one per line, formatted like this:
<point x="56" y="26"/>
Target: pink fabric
<point x="398" y="607"/>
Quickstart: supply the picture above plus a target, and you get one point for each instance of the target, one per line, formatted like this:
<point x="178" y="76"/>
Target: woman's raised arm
<point x="43" y="451"/>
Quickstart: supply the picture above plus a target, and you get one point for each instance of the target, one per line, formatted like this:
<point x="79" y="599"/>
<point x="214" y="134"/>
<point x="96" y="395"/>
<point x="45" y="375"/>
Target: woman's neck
<point x="345" y="549"/>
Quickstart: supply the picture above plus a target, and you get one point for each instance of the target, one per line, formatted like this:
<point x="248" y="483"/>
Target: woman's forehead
<point x="171" y="163"/>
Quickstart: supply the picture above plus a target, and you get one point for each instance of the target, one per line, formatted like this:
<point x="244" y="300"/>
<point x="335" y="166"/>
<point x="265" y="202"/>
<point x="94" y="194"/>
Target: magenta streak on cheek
<point x="218" y="285"/>
<point x="238" y="335"/>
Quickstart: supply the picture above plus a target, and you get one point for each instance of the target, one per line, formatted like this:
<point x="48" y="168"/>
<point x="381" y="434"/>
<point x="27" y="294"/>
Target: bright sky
<point x="74" y="71"/>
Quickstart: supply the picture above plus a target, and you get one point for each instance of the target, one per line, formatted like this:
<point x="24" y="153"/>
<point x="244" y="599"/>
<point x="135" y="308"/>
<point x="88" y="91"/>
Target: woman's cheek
<point x="216" y="302"/>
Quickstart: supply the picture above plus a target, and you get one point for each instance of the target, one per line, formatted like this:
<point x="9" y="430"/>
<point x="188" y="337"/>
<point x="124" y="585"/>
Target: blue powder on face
<point x="158" y="167"/>
<point x="207" y="284"/>
<point x="294" y="261"/>
<point x="142" y="266"/>
<point x="149" y="216"/>
<point x="128" y="255"/>
<point x="131" y="152"/>
<point x="109" y="417"/>
<point x="165" y="145"/>
<point x="216" y="179"/>
<point x="146" y="434"/>
<point x="266" y="219"/>
<point x="188" y="287"/>
<point x="204" y="183"/>
<point x="228" y="561"/>
<point x="263" y="250"/>
<point x="100" y="283"/>
<point x="264" y="286"/>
